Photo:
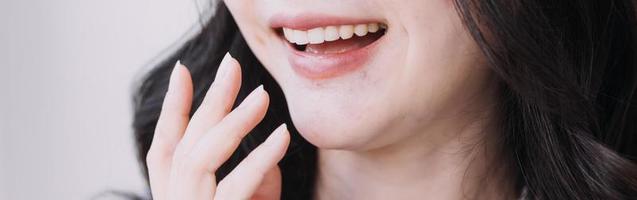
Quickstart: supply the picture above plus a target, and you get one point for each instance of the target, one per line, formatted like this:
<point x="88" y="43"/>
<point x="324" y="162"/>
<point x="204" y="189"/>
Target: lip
<point x="308" y="21"/>
<point x="324" y="66"/>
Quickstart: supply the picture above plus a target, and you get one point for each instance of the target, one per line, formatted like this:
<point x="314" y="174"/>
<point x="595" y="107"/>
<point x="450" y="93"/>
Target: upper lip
<point x="308" y="21"/>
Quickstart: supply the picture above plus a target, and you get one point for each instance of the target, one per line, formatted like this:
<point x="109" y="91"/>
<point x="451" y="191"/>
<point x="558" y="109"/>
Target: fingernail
<point x="283" y="128"/>
<point x="252" y="97"/>
<point x="174" y="75"/>
<point x="278" y="132"/>
<point x="224" y="67"/>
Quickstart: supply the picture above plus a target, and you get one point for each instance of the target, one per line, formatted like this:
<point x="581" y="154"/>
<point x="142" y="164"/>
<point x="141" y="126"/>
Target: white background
<point x="67" y="68"/>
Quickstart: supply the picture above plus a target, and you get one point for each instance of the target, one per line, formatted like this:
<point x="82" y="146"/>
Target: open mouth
<point x="333" y="39"/>
<point x="321" y="47"/>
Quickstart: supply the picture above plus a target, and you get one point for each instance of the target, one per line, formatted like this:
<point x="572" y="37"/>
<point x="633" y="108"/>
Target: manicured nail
<point x="252" y="97"/>
<point x="174" y="75"/>
<point x="224" y="67"/>
<point x="283" y="128"/>
<point x="274" y="137"/>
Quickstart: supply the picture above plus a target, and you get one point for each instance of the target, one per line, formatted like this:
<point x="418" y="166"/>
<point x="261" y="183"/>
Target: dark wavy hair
<point x="567" y="74"/>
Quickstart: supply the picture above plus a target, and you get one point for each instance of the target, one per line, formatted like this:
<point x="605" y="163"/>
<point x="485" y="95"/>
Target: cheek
<point x="244" y="15"/>
<point x="249" y="17"/>
<point x="443" y="66"/>
<point x="424" y="71"/>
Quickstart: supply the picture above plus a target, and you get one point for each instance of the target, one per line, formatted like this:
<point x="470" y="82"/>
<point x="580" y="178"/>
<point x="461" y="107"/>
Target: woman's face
<point x="418" y="69"/>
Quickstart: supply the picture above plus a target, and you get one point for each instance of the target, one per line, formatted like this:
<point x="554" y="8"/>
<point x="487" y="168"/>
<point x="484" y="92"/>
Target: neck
<point x="455" y="163"/>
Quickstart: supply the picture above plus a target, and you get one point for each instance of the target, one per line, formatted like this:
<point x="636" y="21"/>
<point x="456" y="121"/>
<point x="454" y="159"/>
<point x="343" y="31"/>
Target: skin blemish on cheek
<point x="363" y="76"/>
<point x="317" y="84"/>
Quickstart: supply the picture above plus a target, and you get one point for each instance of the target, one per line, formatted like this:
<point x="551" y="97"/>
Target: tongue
<point x="340" y="46"/>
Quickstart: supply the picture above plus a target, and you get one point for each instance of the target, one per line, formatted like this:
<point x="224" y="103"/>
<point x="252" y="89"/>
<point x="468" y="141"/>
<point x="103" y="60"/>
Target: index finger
<point x="172" y="122"/>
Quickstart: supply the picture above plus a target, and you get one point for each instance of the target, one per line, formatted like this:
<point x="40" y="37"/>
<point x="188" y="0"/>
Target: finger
<point x="173" y="119"/>
<point x="216" y="104"/>
<point x="216" y="146"/>
<point x="245" y="179"/>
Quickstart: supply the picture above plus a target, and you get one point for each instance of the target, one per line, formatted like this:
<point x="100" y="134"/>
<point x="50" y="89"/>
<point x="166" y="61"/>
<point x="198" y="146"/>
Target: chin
<point x="329" y="132"/>
<point x="336" y="126"/>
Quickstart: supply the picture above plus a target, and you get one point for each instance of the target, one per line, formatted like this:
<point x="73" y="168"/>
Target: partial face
<point x="362" y="74"/>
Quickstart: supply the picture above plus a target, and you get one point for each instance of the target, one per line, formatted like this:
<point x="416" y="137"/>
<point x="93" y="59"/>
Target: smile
<point x="322" y="35"/>
<point x="322" y="47"/>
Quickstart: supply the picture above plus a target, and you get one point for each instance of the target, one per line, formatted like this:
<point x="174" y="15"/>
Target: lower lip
<point x="325" y="66"/>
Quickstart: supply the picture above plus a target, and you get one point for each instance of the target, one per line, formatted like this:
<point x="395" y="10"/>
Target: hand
<point x="185" y="153"/>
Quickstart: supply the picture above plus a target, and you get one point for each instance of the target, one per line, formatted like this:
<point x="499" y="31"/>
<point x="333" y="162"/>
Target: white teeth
<point x="372" y="28"/>
<point x="346" y="32"/>
<point x="360" y="30"/>
<point x="330" y="33"/>
<point x="316" y="36"/>
<point x="300" y="37"/>
<point x="289" y="34"/>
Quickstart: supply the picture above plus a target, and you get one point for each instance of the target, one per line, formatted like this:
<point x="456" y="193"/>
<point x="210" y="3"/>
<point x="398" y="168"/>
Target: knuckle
<point x="193" y="164"/>
<point x="204" y="107"/>
<point x="235" y="129"/>
<point x="179" y="150"/>
<point x="235" y="138"/>
<point x="162" y="131"/>
<point x="158" y="155"/>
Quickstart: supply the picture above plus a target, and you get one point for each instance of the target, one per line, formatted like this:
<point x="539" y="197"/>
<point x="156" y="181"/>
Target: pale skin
<point x="415" y="123"/>
<point x="186" y="152"/>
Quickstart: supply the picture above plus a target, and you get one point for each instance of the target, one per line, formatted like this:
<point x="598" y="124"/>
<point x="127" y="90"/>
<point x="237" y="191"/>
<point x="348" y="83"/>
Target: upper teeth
<point x="329" y="33"/>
